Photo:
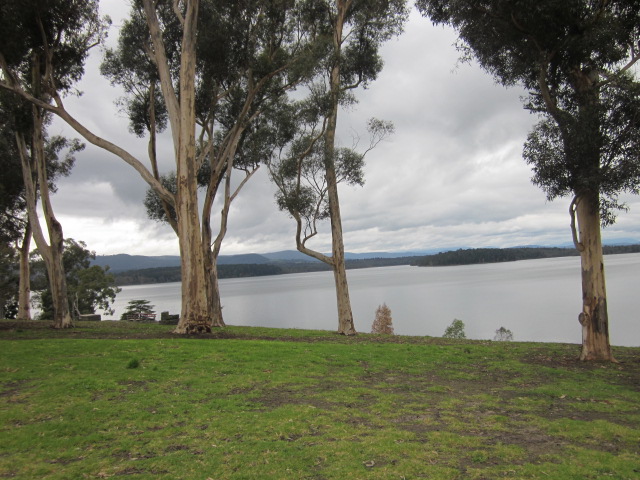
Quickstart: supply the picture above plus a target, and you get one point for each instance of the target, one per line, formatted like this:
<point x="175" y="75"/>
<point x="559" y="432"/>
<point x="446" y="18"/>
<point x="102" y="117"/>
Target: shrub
<point x="133" y="363"/>
<point x="137" y="309"/>
<point x="455" y="330"/>
<point x="503" y="335"/>
<point x="383" y="323"/>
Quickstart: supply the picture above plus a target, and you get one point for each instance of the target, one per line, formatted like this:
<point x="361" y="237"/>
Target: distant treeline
<point x="495" y="255"/>
<point x="457" y="257"/>
<point x="172" y="274"/>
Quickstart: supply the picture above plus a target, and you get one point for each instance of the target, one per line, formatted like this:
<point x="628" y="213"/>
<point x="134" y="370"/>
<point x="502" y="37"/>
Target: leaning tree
<point x="298" y="169"/>
<point x="574" y="58"/>
<point x="353" y="32"/>
<point x="41" y="52"/>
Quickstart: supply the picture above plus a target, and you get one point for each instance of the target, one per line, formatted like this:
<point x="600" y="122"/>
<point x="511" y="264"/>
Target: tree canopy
<point x="89" y="287"/>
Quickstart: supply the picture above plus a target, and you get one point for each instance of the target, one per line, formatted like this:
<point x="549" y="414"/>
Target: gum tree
<point x="42" y="48"/>
<point x="250" y="55"/>
<point x="14" y="227"/>
<point x="298" y="168"/>
<point x="353" y="31"/>
<point x="574" y="58"/>
<point x="89" y="287"/>
<point x="172" y="26"/>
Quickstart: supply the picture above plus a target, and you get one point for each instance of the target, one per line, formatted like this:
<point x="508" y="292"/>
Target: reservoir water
<point x="538" y="300"/>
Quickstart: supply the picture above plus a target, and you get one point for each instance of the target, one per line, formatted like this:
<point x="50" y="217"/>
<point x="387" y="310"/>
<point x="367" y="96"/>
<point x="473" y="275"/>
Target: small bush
<point x="138" y="310"/>
<point x="503" y="335"/>
<point x="383" y="323"/>
<point x="133" y="363"/>
<point x="455" y="330"/>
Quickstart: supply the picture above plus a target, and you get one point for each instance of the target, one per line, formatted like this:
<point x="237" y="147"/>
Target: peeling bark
<point x="594" y="317"/>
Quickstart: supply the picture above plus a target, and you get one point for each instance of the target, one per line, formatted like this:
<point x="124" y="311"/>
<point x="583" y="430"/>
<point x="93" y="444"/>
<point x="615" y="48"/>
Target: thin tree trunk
<point x="211" y="268"/>
<point x="51" y="253"/>
<point x="594" y="317"/>
<point x="214" y="299"/>
<point x="345" y="315"/>
<point x="53" y="258"/>
<point x="24" y="294"/>
<point x="24" y="289"/>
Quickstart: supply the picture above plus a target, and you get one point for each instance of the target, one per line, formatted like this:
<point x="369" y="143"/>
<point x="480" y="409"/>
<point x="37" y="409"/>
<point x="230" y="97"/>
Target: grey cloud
<point x="451" y="175"/>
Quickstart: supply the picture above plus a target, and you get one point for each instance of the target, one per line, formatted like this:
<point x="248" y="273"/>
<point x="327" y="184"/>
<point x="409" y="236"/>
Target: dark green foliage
<point x="130" y="67"/>
<point x="249" y="55"/>
<point x="298" y="168"/>
<point x="472" y="256"/>
<point x="368" y="24"/>
<point x="68" y="28"/>
<point x="8" y="281"/>
<point x="137" y="309"/>
<point x="457" y="257"/>
<point x="89" y="288"/>
<point x="133" y="363"/>
<point x="12" y="205"/>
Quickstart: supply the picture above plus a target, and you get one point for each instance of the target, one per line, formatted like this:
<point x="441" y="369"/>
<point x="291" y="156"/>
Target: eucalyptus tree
<point x="179" y="80"/>
<point x="298" y="169"/>
<point x="249" y="56"/>
<point x="38" y="159"/>
<point x="14" y="227"/>
<point x="8" y="281"/>
<point x="574" y="58"/>
<point x="89" y="287"/>
<point x="130" y="67"/>
<point x="353" y="31"/>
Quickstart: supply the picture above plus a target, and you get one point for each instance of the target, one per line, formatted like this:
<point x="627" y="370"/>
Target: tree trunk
<point x="211" y="268"/>
<point x="51" y="253"/>
<point x="195" y="317"/>
<point x="594" y="317"/>
<point x="345" y="316"/>
<point x="215" y="304"/>
<point x="24" y="288"/>
<point x="53" y="258"/>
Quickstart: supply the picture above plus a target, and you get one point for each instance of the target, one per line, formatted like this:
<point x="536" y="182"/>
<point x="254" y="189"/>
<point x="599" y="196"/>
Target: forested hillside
<point x="455" y="257"/>
<point x="494" y="255"/>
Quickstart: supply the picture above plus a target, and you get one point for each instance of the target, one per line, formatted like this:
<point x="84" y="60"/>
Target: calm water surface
<point x="538" y="300"/>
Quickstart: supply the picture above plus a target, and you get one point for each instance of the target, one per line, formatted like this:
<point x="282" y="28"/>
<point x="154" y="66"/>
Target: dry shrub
<point x="383" y="323"/>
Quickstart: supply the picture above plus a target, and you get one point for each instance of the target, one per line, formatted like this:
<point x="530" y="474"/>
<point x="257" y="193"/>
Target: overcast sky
<point x="452" y="175"/>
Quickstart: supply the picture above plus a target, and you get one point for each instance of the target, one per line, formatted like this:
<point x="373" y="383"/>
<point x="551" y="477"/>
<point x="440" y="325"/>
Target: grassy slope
<point x="262" y="403"/>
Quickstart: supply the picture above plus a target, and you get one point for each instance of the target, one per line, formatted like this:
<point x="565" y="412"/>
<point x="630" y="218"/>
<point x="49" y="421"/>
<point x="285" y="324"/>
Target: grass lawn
<point x="133" y="401"/>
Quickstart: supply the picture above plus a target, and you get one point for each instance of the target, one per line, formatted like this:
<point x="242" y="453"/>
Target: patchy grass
<point x="257" y="403"/>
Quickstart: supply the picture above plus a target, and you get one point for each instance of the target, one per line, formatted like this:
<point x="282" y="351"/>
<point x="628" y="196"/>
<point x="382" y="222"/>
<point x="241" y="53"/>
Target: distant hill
<point x="147" y="269"/>
<point x="123" y="262"/>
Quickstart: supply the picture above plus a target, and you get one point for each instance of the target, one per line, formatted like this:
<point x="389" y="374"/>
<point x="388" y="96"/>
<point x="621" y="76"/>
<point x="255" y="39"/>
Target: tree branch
<point x="60" y="111"/>
<point x="574" y="233"/>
